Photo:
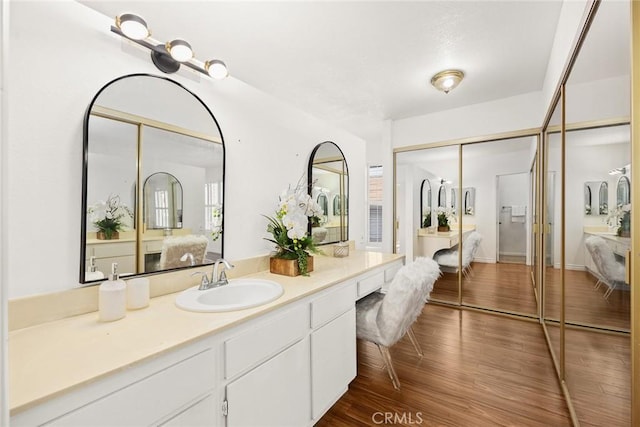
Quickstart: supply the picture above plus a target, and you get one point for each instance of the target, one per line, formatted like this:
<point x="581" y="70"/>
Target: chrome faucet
<point x="189" y="255"/>
<point x="221" y="279"/>
<point x="216" y="280"/>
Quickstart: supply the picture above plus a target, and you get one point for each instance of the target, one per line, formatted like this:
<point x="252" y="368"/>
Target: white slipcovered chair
<point x="175" y="249"/>
<point x="448" y="258"/>
<point x="385" y="318"/>
<point x="610" y="271"/>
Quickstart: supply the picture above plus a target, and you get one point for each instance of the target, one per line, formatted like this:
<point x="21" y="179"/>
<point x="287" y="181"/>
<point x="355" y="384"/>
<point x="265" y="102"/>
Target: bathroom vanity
<point x="283" y="363"/>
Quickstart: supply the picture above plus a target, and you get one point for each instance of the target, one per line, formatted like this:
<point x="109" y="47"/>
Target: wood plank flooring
<point x="598" y="375"/>
<point x="486" y="370"/>
<point x="478" y="370"/>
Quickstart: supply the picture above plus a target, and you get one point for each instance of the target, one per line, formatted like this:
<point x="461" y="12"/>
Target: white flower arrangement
<point x="110" y="216"/>
<point x="289" y="226"/>
<point x="216" y="222"/>
<point x="615" y="216"/>
<point x="446" y="216"/>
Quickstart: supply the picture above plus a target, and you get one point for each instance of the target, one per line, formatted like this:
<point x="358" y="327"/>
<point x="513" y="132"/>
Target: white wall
<point x="572" y="18"/>
<point x="4" y="337"/>
<point x="267" y="143"/>
<point x="488" y="118"/>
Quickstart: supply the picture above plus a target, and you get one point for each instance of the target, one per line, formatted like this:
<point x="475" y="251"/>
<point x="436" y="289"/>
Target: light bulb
<point x="216" y="69"/>
<point x="180" y="50"/>
<point x="132" y="26"/>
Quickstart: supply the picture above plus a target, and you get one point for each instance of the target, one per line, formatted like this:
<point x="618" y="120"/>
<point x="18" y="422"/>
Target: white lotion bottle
<point x="112" y="297"/>
<point x="137" y="293"/>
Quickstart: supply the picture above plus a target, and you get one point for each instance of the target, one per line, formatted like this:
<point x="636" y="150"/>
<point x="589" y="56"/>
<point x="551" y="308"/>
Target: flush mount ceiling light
<point x="167" y="57"/>
<point x="447" y="80"/>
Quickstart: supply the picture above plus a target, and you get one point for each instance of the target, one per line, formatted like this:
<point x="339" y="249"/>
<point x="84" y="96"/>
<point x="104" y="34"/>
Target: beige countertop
<point x="51" y="358"/>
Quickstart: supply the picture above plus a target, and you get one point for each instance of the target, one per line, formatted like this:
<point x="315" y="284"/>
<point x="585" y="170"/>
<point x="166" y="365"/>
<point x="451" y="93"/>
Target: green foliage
<point x="287" y="248"/>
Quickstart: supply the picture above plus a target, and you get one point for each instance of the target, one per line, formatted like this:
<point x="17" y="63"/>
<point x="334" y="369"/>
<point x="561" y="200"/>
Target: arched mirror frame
<point x="138" y="220"/>
<point x="423" y="215"/>
<point x="623" y="191"/>
<point x="340" y="205"/>
<point x="177" y="220"/>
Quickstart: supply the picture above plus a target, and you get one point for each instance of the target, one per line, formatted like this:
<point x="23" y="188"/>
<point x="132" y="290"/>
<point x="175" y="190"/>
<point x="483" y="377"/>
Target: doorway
<point x="513" y="213"/>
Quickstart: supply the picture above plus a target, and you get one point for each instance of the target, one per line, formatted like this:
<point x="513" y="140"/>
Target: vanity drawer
<point x="109" y="250"/>
<point x="141" y="402"/>
<point x="265" y="339"/>
<point x="333" y="304"/>
<point x="370" y="283"/>
<point x="390" y="272"/>
<point x="153" y="246"/>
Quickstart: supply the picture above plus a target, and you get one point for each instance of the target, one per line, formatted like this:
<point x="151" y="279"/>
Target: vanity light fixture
<point x="167" y="57"/>
<point x="447" y="80"/>
<point x="620" y="171"/>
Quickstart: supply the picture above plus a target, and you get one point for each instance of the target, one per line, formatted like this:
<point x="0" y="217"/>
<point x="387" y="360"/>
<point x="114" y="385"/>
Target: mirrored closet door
<point x="588" y="169"/>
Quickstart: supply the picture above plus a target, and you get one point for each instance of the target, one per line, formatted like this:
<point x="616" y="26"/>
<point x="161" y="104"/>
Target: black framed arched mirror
<point x="328" y="175"/>
<point x="603" y="198"/>
<point x="442" y="196"/>
<point x="139" y="126"/>
<point x="425" y="203"/>
<point x="623" y="191"/>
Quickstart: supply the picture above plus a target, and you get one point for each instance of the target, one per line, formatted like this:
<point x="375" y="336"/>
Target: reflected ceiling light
<point x="447" y="80"/>
<point x="132" y="26"/>
<point x="167" y="57"/>
<point x="180" y="50"/>
<point x="620" y="171"/>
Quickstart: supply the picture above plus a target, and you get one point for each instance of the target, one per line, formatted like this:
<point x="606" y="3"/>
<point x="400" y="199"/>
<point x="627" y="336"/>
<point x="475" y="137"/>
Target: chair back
<point x="470" y="246"/>
<point x="405" y="299"/>
<point x="173" y="248"/>
<point x="604" y="259"/>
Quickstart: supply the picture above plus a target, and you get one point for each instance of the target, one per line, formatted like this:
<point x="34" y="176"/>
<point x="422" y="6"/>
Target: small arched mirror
<point x="442" y="197"/>
<point x="469" y="200"/>
<point x="588" y="203"/>
<point x="328" y="175"/>
<point x="162" y="202"/>
<point x="623" y="191"/>
<point x="324" y="203"/>
<point x="454" y="199"/>
<point x="425" y="204"/>
<point x="603" y="198"/>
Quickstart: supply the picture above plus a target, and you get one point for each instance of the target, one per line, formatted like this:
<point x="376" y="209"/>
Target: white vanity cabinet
<point x="282" y="367"/>
<point x="107" y="252"/>
<point x="333" y="346"/>
<point x="172" y="385"/>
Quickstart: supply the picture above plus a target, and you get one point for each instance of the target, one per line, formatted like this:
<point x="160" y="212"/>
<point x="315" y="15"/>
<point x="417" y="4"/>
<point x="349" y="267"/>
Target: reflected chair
<point x="610" y="271"/>
<point x="175" y="248"/>
<point x="385" y="318"/>
<point x="448" y="258"/>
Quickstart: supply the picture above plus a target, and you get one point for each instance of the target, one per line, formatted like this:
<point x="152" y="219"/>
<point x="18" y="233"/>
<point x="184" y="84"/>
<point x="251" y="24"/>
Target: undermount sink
<point x="237" y="295"/>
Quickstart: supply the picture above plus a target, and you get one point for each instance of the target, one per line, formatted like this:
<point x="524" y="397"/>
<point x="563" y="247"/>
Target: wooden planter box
<point x="288" y="267"/>
<point x="102" y="236"/>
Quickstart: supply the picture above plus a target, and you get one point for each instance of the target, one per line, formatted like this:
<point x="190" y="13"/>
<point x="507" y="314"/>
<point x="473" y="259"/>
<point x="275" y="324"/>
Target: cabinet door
<point x="276" y="393"/>
<point x="333" y="361"/>
<point x="202" y="413"/>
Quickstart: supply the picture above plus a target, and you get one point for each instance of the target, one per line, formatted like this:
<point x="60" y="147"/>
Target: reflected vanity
<point x="328" y="180"/>
<point x="151" y="130"/>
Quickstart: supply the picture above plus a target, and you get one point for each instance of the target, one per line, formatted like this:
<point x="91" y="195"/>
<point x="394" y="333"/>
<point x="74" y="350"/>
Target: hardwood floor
<point x="478" y="370"/>
<point x="481" y="369"/>
<point x="499" y="286"/>
<point x="584" y="304"/>
<point x="598" y="375"/>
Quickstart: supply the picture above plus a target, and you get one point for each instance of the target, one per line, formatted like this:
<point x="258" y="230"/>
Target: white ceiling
<point x="358" y="63"/>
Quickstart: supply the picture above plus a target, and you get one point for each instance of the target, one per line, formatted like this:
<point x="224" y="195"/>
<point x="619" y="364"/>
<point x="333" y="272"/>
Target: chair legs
<point x="384" y="351"/>
<point x="414" y="341"/>
<point x="606" y="294"/>
<point x="386" y="356"/>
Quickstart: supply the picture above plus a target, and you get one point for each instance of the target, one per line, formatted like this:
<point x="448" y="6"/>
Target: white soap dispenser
<point x="112" y="298"/>
<point x="93" y="273"/>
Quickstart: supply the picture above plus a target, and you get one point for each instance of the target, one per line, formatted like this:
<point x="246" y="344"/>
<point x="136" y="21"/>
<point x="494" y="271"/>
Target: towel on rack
<point x="518" y="210"/>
